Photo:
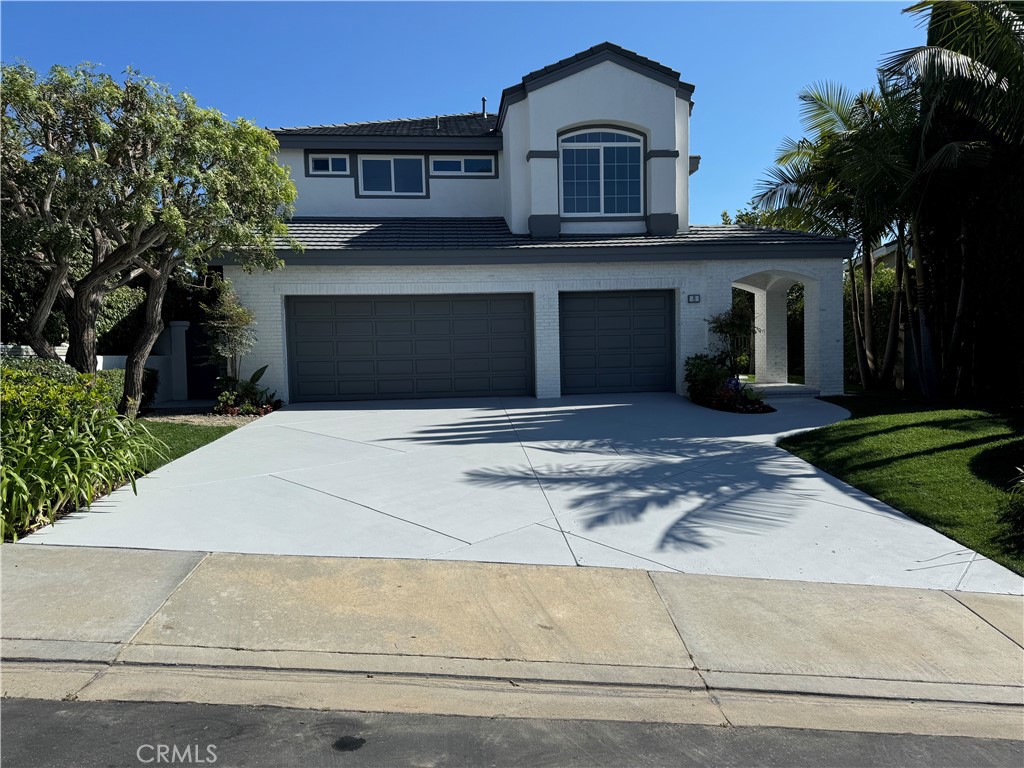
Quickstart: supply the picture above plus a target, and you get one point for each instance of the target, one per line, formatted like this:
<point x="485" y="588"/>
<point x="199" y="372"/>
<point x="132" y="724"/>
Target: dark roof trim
<point x="661" y="153"/>
<point x="585" y="60"/>
<point x="343" y="143"/>
<point x="694" y="164"/>
<point x="563" y="255"/>
<point x="550" y="154"/>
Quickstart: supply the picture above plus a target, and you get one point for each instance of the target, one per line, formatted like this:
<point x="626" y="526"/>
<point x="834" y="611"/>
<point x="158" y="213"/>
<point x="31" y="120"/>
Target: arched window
<point x="602" y="173"/>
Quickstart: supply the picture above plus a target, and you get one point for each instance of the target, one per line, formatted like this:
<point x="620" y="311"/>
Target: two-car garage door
<point x="374" y="347"/>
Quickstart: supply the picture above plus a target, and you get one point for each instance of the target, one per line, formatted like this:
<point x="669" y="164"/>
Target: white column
<point x="823" y="334"/>
<point x="771" y="364"/>
<point x="179" y="360"/>
<point x="547" y="349"/>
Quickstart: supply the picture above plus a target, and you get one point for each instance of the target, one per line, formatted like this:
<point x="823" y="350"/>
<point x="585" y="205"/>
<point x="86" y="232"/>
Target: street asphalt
<point x="68" y="734"/>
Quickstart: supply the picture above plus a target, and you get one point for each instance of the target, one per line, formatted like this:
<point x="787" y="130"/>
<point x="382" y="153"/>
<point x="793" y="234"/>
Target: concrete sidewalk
<point x="508" y="641"/>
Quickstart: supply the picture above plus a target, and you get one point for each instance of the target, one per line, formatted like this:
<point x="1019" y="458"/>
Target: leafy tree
<point x="229" y="325"/>
<point x="139" y="180"/>
<point x="931" y="157"/>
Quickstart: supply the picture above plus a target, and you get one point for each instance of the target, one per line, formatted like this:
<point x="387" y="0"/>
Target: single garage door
<point x="372" y="347"/>
<point x="617" y="341"/>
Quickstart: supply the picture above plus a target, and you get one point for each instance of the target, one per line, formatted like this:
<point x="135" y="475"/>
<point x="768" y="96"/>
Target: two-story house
<point x="543" y="250"/>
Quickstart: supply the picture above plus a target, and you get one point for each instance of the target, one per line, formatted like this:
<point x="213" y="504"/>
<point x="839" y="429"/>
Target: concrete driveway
<point x="637" y="481"/>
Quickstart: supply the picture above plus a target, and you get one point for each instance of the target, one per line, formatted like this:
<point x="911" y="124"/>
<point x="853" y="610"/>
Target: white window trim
<point x="377" y="193"/>
<point x="599" y="145"/>
<point x="462" y="159"/>
<point x="329" y="158"/>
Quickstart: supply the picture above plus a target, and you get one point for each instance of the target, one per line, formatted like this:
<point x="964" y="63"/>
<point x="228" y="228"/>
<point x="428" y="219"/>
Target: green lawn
<point x="180" y="439"/>
<point x="947" y="468"/>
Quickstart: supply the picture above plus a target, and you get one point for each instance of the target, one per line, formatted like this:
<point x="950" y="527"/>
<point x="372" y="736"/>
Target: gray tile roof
<point x="605" y="47"/>
<point x="468" y="125"/>
<point x="446" y="234"/>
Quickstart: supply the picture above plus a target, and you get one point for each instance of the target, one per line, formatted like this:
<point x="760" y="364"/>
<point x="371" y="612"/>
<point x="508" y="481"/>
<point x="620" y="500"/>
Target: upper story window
<point x="402" y="175"/>
<point x="602" y="173"/>
<point x="328" y="165"/>
<point x="462" y="166"/>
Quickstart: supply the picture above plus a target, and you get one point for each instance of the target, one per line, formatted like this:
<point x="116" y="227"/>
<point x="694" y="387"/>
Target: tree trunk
<point x="928" y="374"/>
<point x="858" y="338"/>
<point x="81" y="315"/>
<point x="867" y="309"/>
<point x="55" y="284"/>
<point x="892" y="341"/>
<point x="954" y="362"/>
<point x="152" y="325"/>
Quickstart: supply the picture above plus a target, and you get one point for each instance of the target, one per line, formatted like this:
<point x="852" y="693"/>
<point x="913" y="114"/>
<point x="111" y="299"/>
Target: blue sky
<point x="303" y="63"/>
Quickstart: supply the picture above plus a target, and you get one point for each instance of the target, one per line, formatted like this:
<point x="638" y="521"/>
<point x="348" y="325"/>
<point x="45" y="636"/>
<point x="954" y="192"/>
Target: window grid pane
<point x="376" y="175"/>
<point x="408" y="176"/>
<point x="339" y="164"/>
<point x="320" y="165"/>
<point x="621" y="180"/>
<point x="581" y="183"/>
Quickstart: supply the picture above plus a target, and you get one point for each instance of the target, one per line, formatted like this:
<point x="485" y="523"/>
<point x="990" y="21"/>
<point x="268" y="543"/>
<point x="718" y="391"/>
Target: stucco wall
<point x="336" y="195"/>
<point x="712" y="280"/>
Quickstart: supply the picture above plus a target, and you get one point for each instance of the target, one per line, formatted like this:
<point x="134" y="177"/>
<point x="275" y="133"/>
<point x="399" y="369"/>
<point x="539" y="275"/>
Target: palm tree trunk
<point x="858" y="338"/>
<point x="892" y="342"/>
<point x="867" y="307"/>
<point x="927" y="372"/>
<point x="955" y="360"/>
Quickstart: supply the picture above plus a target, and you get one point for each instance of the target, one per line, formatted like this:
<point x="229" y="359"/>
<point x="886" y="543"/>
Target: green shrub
<point x="244" y="397"/>
<point x="705" y="375"/>
<point x="63" y="445"/>
<point x="53" y="370"/>
<point x="1011" y="515"/>
<point x="111" y="384"/>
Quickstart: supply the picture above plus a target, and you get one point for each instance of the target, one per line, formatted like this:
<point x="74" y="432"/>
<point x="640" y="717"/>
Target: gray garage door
<point x="617" y="341"/>
<point x="371" y="347"/>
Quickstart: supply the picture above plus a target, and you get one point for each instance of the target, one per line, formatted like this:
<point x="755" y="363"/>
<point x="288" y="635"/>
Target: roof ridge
<point x="379" y="122"/>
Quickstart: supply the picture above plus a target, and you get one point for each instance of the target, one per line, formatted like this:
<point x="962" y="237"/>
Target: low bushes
<point x="710" y="383"/>
<point x="63" y="443"/>
<point x="1011" y="515"/>
<point x="244" y="397"/>
<point x="111" y="384"/>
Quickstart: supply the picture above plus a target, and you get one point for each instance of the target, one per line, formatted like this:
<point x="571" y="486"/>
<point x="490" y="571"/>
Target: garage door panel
<point x="572" y="304"/>
<point x="433" y="327"/>
<point x="317" y="389"/>
<point x="432" y="307"/>
<point x="469" y="306"/>
<point x="394" y="387"/>
<point x="384" y="308"/>
<point x="393" y="327"/>
<point x="622" y="360"/>
<point x="510" y="345"/>
<point x="409" y="346"/>
<point x="310" y="349"/>
<point x="650" y="322"/>
<point x="470" y="326"/>
<point x="508" y="325"/>
<point x="309" y="328"/>
<point x="315" y="309"/>
<point x="396" y="347"/>
<point x="578" y="323"/>
<point x="316" y="369"/>
<point x="651" y="303"/>
<point x="390" y="367"/>
<point x="472" y="365"/>
<point x="359" y="308"/>
<point x="470" y="346"/>
<point x="433" y="346"/>
<point x="631" y="333"/>
<point x="346" y="348"/>
<point x="353" y="327"/>
<point x="361" y="368"/>
<point x="441" y="365"/>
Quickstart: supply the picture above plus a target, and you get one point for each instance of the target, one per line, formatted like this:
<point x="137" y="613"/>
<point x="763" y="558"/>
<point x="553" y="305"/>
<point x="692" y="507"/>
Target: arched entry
<point x="823" y="329"/>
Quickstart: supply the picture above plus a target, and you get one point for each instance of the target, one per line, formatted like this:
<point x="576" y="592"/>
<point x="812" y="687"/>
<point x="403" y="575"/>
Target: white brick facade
<point x="265" y="295"/>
